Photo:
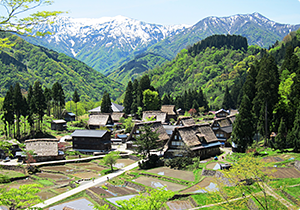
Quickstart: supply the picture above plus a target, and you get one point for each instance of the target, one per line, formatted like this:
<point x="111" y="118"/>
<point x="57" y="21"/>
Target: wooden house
<point x="222" y="128"/>
<point x="155" y="125"/>
<point x="192" y="140"/>
<point x="114" y="107"/>
<point x="44" y="149"/>
<point x="155" y="116"/>
<point x="185" y="120"/>
<point x="69" y="116"/>
<point x="13" y="148"/>
<point x="59" y="125"/>
<point x="171" y="112"/>
<point x="100" y="120"/>
<point x="222" y="113"/>
<point x="90" y="141"/>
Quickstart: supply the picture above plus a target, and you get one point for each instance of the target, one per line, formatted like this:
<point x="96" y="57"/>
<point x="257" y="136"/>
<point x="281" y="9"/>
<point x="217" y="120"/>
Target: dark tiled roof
<point x="89" y="133"/>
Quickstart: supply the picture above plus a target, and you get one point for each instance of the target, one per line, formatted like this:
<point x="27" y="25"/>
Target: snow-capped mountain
<point x="103" y="40"/>
<point x="107" y="43"/>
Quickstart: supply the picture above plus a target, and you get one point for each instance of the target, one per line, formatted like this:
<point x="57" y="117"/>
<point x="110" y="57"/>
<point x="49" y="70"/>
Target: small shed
<point x="90" y="141"/>
<point x="70" y="116"/>
<point x="59" y="125"/>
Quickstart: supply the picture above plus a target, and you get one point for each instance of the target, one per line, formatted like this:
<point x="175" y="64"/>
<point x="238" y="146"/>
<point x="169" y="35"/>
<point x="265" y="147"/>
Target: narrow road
<point x="85" y="186"/>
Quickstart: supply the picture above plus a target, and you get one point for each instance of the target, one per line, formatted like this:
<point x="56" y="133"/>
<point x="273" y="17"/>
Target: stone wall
<point x="208" y="172"/>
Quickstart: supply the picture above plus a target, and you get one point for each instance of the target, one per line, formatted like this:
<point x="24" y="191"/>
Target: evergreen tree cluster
<point x="236" y="42"/>
<point x="17" y="106"/>
<point x="191" y="99"/>
<point x="141" y="94"/>
<point x="270" y="102"/>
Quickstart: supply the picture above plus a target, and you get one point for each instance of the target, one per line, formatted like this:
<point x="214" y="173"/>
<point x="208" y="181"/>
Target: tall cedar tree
<point x="293" y="137"/>
<point x="17" y="106"/>
<point x="8" y="115"/>
<point x="280" y="139"/>
<point x="106" y="103"/>
<point x="48" y="99"/>
<point x="151" y="100"/>
<point x="40" y="103"/>
<point x="144" y="84"/>
<point x="134" y="106"/>
<point x="267" y="82"/>
<point x="128" y="99"/>
<point x="58" y="96"/>
<point x="243" y="129"/>
<point x="31" y="106"/>
<point x="227" y="101"/>
<point x="76" y="99"/>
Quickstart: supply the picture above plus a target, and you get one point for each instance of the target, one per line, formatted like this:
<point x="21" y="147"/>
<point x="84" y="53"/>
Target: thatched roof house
<point x="96" y="121"/>
<point x="185" y="120"/>
<point x="193" y="140"/>
<point x="155" y="125"/>
<point x="231" y="118"/>
<point x="170" y="110"/>
<point x="58" y="125"/>
<point x="222" y="128"/>
<point x="222" y="113"/>
<point x="44" y="149"/>
<point x="156" y="115"/>
<point x="114" y="107"/>
<point x="116" y="116"/>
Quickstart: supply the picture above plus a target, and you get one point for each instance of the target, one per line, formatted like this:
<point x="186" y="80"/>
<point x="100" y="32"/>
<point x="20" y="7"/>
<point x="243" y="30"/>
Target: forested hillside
<point x="136" y="67"/>
<point x="26" y="63"/>
<point x="211" y="68"/>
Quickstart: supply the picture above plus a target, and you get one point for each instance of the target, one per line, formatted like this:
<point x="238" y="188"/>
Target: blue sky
<point x="170" y="12"/>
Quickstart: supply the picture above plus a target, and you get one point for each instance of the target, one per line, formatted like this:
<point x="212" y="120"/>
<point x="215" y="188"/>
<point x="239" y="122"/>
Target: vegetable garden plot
<point x="179" y="174"/>
<point x="155" y="183"/>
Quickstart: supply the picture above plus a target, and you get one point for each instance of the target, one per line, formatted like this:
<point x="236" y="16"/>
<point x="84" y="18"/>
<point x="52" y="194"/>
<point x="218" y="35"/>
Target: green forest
<point x="26" y="63"/>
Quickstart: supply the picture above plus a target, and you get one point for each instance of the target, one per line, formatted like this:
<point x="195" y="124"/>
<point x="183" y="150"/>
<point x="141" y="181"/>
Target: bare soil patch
<point x="82" y="164"/>
<point x="155" y="183"/>
<point x="178" y="205"/>
<point x="58" y="168"/>
<point x="165" y="171"/>
<point x="204" y="183"/>
<point x="46" y="195"/>
<point x="121" y="163"/>
<point x="284" y="172"/>
<point x="101" y="192"/>
<point x="52" y="176"/>
<point x="211" y="165"/>
<point x="18" y="183"/>
<point x="62" y="190"/>
<point x="95" y="168"/>
<point x="120" y="191"/>
<point x="272" y="159"/>
<point x="85" y="175"/>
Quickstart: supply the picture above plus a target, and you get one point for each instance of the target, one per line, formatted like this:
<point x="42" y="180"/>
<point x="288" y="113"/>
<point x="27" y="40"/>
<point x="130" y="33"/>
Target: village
<point x="76" y="161"/>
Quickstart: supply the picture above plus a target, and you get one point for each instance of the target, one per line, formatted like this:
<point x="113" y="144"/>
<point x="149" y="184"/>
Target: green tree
<point x="151" y="100"/>
<point x="21" y="198"/>
<point x="134" y="106"/>
<point x="110" y="159"/>
<point x="147" y="140"/>
<point x="8" y="115"/>
<point x="40" y="103"/>
<point x="151" y="200"/>
<point x="280" y="139"/>
<point x="17" y="106"/>
<point x="243" y="128"/>
<point x="227" y="101"/>
<point x="58" y="96"/>
<point x="10" y="22"/>
<point x="76" y="99"/>
<point x="128" y="99"/>
<point x="106" y="103"/>
<point x="293" y="137"/>
<point x="127" y="124"/>
<point x="48" y="99"/>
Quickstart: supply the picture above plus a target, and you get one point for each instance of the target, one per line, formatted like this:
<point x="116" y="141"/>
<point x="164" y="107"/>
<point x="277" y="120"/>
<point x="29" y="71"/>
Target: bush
<point x="179" y="162"/>
<point x="4" y="178"/>
<point x="151" y="163"/>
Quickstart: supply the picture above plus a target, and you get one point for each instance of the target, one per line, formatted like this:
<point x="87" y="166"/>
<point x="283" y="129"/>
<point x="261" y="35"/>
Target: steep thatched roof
<point x="43" y="147"/>
<point x="169" y="109"/>
<point x="223" y="122"/>
<point x="158" y="115"/>
<point x="195" y="136"/>
<point x="155" y="125"/>
<point x="99" y="119"/>
<point x="116" y="116"/>
<point x="185" y="120"/>
<point x="231" y="118"/>
<point x="114" y="107"/>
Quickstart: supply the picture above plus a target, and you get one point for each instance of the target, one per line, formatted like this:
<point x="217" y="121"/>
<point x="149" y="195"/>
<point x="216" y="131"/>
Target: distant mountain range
<point x="107" y="44"/>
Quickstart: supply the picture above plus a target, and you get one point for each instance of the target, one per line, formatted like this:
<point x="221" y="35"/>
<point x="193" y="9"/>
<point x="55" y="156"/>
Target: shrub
<point x="4" y="178"/>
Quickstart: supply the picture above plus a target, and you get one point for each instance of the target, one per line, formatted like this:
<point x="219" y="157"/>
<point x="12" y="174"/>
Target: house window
<point x="217" y="135"/>
<point x="176" y="143"/>
<point x="221" y="135"/>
